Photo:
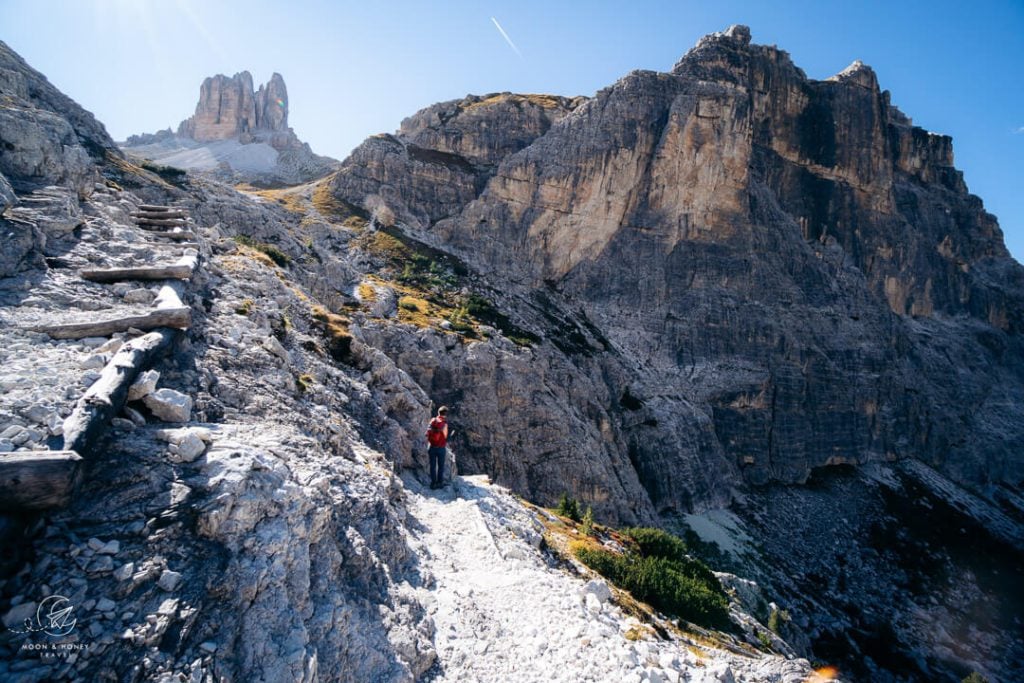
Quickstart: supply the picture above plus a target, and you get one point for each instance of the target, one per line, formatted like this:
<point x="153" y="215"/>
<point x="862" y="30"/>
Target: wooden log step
<point x="38" y="480"/>
<point x="158" y="207"/>
<point x="159" y="216"/>
<point x="170" y="245"/>
<point x="169" y="312"/>
<point x="178" y="235"/>
<point x="162" y="222"/>
<point x="181" y="269"/>
<point x="160" y="212"/>
<point x="107" y="395"/>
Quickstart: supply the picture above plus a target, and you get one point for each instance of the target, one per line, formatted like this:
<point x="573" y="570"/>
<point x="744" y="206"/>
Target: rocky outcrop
<point x="45" y="137"/>
<point x="441" y="156"/>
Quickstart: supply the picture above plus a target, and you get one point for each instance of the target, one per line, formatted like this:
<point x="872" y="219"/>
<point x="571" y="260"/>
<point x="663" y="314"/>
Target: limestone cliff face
<point x="791" y="258"/>
<point x="45" y="137"/>
<point x="229" y="108"/>
<point x="442" y="156"/>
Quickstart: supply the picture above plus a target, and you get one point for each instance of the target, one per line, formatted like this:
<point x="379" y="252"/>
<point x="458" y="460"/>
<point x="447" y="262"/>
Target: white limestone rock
<point x="169" y="405"/>
<point x="144" y="385"/>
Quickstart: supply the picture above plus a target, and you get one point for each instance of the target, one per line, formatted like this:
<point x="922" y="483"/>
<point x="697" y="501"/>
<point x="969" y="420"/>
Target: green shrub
<point x="975" y="677"/>
<point x="568" y="507"/>
<point x="776" y="619"/>
<point x="661" y="583"/>
<point x="587" y="525"/>
<point x="657" y="543"/>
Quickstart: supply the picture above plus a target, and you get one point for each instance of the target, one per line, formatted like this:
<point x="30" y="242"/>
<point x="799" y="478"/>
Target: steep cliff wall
<point x="792" y="257"/>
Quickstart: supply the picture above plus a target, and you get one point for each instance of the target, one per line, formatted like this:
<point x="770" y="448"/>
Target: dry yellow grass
<point x="326" y="203"/>
<point x="546" y="101"/>
<point x="126" y="166"/>
<point x="256" y="255"/>
<point x="383" y="244"/>
<point x="366" y="292"/>
<point x="289" y="198"/>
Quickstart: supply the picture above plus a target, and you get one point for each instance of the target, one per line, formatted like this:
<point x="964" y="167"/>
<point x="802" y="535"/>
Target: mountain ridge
<point x="700" y="302"/>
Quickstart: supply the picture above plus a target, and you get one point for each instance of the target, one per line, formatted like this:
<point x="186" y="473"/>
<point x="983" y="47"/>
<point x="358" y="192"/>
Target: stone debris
<point x="169" y="580"/>
<point x="169" y="405"/>
<point x="144" y="385"/>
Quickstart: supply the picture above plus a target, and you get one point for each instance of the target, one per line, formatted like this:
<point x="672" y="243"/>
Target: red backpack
<point x="435" y="433"/>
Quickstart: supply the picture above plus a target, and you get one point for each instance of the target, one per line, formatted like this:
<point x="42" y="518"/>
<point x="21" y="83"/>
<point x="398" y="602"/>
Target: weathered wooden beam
<point x="38" y="480"/>
<point x="107" y="396"/>
<point x="169" y="312"/>
<point x="158" y="207"/>
<point x="162" y="222"/>
<point x="172" y="245"/>
<point x="182" y="269"/>
<point x="179" y="235"/>
<point x="163" y="213"/>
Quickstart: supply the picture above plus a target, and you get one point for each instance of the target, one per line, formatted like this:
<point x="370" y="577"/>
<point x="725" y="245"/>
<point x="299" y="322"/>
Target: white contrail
<point x="507" y="39"/>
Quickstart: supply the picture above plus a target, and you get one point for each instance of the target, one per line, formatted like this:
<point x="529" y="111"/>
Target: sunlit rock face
<point x="790" y="260"/>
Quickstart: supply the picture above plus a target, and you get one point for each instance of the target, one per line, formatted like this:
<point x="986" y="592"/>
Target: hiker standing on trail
<point x="438" y="434"/>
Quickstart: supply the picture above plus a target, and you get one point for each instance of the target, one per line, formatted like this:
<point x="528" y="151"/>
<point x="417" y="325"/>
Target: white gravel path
<point x="503" y="613"/>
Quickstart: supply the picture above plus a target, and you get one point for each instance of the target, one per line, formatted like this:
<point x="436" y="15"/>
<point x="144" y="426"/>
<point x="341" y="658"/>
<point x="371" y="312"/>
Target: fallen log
<point x="182" y="269"/>
<point x="170" y="312"/>
<point x="38" y="480"/>
<point x="162" y="222"/>
<point x="107" y="396"/>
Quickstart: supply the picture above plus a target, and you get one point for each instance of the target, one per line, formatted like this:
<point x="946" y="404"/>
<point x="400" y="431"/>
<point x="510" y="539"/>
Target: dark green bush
<point x="659" y="582"/>
<point x="568" y="507"/>
<point x="657" y="543"/>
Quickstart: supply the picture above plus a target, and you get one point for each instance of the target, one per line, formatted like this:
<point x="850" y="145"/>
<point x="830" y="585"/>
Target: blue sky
<point x="357" y="68"/>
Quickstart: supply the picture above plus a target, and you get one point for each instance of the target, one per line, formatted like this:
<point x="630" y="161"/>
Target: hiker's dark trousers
<point x="436" y="454"/>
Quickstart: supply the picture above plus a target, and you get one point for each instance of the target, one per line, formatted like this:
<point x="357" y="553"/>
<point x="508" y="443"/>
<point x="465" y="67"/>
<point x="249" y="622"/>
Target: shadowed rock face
<point x="790" y="257"/>
<point x="45" y="137"/>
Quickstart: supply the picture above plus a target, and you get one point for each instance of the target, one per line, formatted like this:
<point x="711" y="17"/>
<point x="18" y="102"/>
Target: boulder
<point x="169" y="405"/>
<point x="143" y="386"/>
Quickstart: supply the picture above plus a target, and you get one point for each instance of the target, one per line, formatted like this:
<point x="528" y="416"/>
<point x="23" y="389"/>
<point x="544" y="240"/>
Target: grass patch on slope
<point x="276" y="256"/>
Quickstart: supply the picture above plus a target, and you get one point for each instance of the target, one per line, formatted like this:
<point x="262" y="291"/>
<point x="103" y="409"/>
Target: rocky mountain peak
<point x="857" y="73"/>
<point x="229" y="108"/>
<point x="272" y="104"/>
<point x="238" y="134"/>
